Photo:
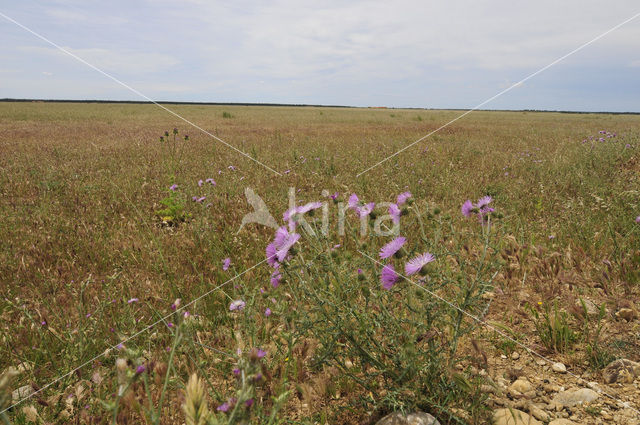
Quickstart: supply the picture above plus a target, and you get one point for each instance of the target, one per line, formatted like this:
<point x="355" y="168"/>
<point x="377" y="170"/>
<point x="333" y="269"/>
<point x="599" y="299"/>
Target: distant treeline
<point x="142" y="102"/>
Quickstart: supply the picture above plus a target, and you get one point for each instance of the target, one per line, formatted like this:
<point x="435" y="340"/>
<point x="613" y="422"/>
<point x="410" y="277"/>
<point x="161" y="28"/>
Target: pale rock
<point x="626" y="314"/>
<point x="515" y="355"/>
<point x="417" y="418"/>
<point x="538" y="413"/>
<point x="559" y="367"/>
<point x="621" y="370"/>
<point x="513" y="417"/>
<point x="22" y="392"/>
<point x="573" y="397"/>
<point x="562" y="421"/>
<point x="521" y="385"/>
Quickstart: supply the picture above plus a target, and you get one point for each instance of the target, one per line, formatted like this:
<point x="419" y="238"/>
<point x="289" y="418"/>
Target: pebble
<point x="416" y="418"/>
<point x="559" y="367"/>
<point x="513" y="417"/>
<point x="573" y="397"/>
<point x="515" y="355"/>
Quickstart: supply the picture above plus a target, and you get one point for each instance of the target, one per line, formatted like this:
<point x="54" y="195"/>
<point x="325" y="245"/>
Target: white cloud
<point x="109" y="60"/>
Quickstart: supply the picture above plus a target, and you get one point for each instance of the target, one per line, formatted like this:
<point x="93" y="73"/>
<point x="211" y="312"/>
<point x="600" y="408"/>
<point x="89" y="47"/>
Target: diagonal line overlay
<point x="560" y="59"/>
<point x="128" y="87"/>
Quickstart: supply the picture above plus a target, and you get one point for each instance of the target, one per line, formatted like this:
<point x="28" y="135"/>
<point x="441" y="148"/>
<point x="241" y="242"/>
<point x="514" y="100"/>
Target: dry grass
<point x="79" y="185"/>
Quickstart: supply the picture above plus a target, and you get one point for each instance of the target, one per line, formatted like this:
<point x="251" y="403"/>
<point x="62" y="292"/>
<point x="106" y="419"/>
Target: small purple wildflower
<point x="226" y="263"/>
<point x="140" y="369"/>
<point x="271" y="251"/>
<point x="267" y="312"/>
<point x="194" y="198"/>
<point x="170" y="324"/>
<point x="353" y="201"/>
<point x="392" y="247"/>
<point x="417" y="264"/>
<point x="261" y="353"/>
<point x="288" y="243"/>
<point x="249" y="403"/>
<point x="133" y="300"/>
<point x="202" y="198"/>
<point x="403" y="197"/>
<point x="232" y="167"/>
<point x="365" y="210"/>
<point x="276" y="277"/>
<point x="173" y="187"/>
<point x="224" y="407"/>
<point x="359" y="270"/>
<point x="236" y="371"/>
<point x="335" y="196"/>
<point x="394" y="212"/>
<point x="467" y="207"/>
<point x="236" y="305"/>
<point x="200" y="183"/>
<point x="388" y="277"/>
<point x="212" y="181"/>
<point x="638" y="219"/>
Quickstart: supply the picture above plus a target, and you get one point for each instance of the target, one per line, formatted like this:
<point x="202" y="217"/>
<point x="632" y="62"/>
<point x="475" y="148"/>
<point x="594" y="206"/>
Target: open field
<point x="86" y="262"/>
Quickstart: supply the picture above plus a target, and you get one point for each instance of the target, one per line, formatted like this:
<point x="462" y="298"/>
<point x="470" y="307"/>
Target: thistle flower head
<point x="392" y="247"/>
<point x="403" y="197"/>
<point x="417" y="264"/>
<point x="388" y="277"/>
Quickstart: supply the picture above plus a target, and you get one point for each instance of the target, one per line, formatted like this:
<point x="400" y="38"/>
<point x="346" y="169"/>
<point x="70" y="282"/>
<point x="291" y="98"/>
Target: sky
<point x="405" y="53"/>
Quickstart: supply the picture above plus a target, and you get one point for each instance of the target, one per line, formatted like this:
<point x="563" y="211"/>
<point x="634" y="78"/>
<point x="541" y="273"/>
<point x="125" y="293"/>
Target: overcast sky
<point x="402" y="53"/>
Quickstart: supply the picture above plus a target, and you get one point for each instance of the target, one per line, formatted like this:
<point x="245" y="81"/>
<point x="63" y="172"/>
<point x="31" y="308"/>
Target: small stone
<point x="621" y="370"/>
<point x="626" y="314"/>
<point x="515" y="355"/>
<point x="513" y="417"/>
<point x="559" y="367"/>
<point x="22" y="392"/>
<point x="538" y="413"/>
<point x="417" y="418"/>
<point x="541" y="362"/>
<point x="561" y="421"/>
<point x="573" y="397"/>
<point x="521" y="385"/>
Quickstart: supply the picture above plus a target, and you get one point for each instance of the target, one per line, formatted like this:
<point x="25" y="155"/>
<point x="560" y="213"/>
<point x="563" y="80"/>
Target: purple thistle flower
<point x="484" y="201"/>
<point x="394" y="212"/>
<point x="267" y="312"/>
<point x="173" y="187"/>
<point x="416" y="264"/>
<point x="638" y="219"/>
<point x="200" y="183"/>
<point x="224" y="407"/>
<point x="271" y="254"/>
<point x="392" y="247"/>
<point x="353" y="201"/>
<point x="237" y="305"/>
<point x="226" y="263"/>
<point x="276" y="277"/>
<point x="236" y="371"/>
<point x="388" y="277"/>
<point x="467" y="208"/>
<point x="335" y="196"/>
<point x="261" y="353"/>
<point x="288" y="243"/>
<point x="365" y="210"/>
<point x="140" y="369"/>
<point x="359" y="270"/>
<point x="249" y="403"/>
<point x="281" y="236"/>
<point x="402" y="198"/>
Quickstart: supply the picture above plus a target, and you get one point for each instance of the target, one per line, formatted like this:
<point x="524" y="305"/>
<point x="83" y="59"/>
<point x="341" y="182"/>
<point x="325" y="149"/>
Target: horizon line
<point x="304" y="105"/>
